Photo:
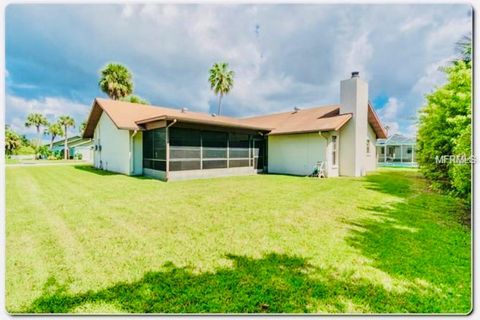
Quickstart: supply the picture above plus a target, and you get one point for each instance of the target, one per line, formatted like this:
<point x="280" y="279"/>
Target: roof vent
<point x="184" y="110"/>
<point x="355" y="74"/>
<point x="214" y="115"/>
<point x="296" y="109"/>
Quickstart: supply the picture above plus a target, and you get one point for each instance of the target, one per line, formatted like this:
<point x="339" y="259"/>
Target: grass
<point x="11" y="161"/>
<point x="86" y="241"/>
<point x="60" y="161"/>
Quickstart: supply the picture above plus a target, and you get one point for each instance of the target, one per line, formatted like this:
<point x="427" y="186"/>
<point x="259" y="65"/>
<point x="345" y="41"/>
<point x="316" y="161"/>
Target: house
<point x="77" y="146"/>
<point x="172" y="144"/>
<point x="397" y="150"/>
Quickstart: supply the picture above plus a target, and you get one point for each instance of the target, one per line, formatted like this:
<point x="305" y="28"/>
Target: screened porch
<point x="189" y="152"/>
<point x="396" y="150"/>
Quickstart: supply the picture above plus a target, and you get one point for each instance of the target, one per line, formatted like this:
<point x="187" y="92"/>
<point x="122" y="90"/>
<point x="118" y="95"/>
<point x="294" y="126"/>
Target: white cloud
<point x="414" y="24"/>
<point x="297" y="58"/>
<point x="18" y="109"/>
<point x="432" y="76"/>
<point x="391" y="109"/>
<point x="392" y="127"/>
<point x="358" y="55"/>
<point x="411" y="130"/>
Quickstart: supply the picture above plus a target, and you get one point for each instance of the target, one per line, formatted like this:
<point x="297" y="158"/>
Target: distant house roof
<point x="61" y="141"/>
<point x="132" y="116"/>
<point x="396" y="139"/>
<point x="72" y="142"/>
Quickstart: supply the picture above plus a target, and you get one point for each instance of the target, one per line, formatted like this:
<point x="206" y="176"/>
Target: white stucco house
<point x="173" y="144"/>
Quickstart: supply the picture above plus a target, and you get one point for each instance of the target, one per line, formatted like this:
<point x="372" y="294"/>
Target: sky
<point x="284" y="56"/>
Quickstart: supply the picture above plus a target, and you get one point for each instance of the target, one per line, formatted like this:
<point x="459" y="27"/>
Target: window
<point x="214" y="146"/>
<point x="238" y="150"/>
<point x="154" y="149"/>
<point x="368" y="146"/>
<point x="185" y="148"/>
<point x="409" y="150"/>
<point x="334" y="150"/>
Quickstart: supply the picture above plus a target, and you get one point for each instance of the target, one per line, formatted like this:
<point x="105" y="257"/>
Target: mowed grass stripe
<point x="41" y="252"/>
<point x="265" y="243"/>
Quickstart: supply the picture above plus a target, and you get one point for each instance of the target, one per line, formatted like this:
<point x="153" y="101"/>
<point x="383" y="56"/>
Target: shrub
<point x="445" y="129"/>
<point x="25" y="150"/>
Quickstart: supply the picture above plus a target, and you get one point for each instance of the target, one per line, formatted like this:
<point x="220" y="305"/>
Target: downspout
<point x="167" y="160"/>
<point x="132" y="153"/>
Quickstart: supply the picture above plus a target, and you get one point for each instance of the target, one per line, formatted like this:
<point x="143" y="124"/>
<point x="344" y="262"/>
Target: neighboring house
<point x="76" y="145"/>
<point x="173" y="144"/>
<point x="397" y="150"/>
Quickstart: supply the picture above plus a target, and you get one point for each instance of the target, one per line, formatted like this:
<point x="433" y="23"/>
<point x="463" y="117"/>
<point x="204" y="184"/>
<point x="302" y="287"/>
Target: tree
<point x="66" y="122"/>
<point x="135" y="99"/>
<point x="82" y="128"/>
<point x="54" y="130"/>
<point x="445" y="129"/>
<point x="221" y="81"/>
<point x="116" y="81"/>
<point x="12" y="141"/>
<point x="36" y="120"/>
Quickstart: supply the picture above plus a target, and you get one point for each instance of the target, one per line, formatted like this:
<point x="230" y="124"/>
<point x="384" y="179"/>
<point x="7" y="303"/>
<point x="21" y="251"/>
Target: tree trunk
<point x="65" y="145"/>
<point x="220" y="103"/>
<point x="37" y="147"/>
<point x="51" y="142"/>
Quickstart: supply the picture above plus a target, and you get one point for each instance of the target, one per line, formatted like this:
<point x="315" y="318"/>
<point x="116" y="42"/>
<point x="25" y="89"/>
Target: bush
<point x="44" y="152"/>
<point x="52" y="157"/>
<point x="445" y="129"/>
<point x="25" y="150"/>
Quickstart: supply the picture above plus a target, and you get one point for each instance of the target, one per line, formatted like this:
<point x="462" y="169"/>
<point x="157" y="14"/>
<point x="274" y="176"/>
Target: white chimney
<point x="354" y="100"/>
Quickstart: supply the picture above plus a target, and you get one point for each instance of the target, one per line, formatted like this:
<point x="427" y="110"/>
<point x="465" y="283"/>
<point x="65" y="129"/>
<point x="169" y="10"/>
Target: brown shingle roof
<point x="128" y="116"/>
<point x="324" y="118"/>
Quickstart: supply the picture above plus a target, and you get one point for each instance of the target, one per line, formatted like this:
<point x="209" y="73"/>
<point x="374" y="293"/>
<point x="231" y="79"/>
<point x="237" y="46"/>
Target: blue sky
<point x="283" y="55"/>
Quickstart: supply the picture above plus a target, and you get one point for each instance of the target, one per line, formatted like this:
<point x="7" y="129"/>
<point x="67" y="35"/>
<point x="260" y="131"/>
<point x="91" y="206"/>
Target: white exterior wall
<point x="354" y="99"/>
<point x="295" y="154"/>
<point x="347" y="150"/>
<point x="86" y="152"/>
<point x="115" y="143"/>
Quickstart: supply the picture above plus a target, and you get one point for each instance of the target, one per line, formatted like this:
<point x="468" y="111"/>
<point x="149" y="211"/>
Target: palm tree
<point x="54" y="130"/>
<point x="82" y="128"/>
<point x="116" y="81"/>
<point x="221" y="81"/>
<point x="36" y="120"/>
<point x="135" y="99"/>
<point x="12" y="141"/>
<point x="464" y="47"/>
<point x="66" y="122"/>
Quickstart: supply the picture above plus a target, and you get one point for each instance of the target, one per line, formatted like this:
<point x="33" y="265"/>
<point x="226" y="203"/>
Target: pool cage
<point x="397" y="150"/>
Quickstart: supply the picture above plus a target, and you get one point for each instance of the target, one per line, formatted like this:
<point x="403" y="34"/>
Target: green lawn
<point x="15" y="161"/>
<point x="81" y="240"/>
<point x="11" y="161"/>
